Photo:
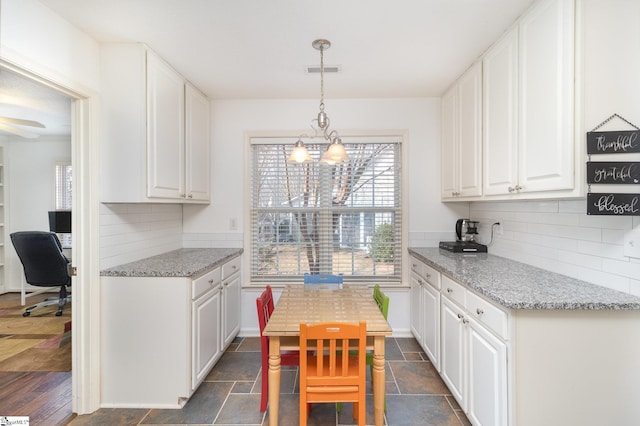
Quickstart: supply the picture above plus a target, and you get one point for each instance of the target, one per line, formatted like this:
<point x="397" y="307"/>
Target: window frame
<point x="289" y="138"/>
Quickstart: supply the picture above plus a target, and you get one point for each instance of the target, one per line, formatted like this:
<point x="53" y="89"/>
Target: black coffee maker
<point x="466" y="235"/>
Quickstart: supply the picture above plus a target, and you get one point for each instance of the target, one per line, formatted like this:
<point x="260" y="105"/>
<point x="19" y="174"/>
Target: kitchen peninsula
<point x="166" y="320"/>
<point x="519" y="345"/>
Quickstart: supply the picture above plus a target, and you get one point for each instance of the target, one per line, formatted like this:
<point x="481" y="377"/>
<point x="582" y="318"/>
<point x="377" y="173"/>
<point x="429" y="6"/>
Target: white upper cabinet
<point x="155" y="128"/>
<point x="528" y="139"/>
<point x="197" y="145"/>
<point x="165" y="130"/>
<point x="500" y="120"/>
<point x="546" y="154"/>
<point x="461" y="159"/>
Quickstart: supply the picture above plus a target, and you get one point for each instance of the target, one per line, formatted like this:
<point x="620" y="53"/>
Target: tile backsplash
<point x="559" y="236"/>
<point x="130" y="232"/>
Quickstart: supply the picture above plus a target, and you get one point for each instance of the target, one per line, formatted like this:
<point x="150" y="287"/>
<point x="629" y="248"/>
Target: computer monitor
<point x="60" y="221"/>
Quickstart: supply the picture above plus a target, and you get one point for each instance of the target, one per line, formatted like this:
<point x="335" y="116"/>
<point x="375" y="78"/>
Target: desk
<point x="309" y="304"/>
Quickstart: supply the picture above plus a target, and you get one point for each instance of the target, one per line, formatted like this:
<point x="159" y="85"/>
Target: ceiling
<point x="260" y="49"/>
<point x="27" y="100"/>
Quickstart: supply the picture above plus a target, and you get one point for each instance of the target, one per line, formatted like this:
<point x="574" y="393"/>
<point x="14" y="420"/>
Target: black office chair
<point x="44" y="265"/>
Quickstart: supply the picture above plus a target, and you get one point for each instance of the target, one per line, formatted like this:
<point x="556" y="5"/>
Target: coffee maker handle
<point x="459" y="223"/>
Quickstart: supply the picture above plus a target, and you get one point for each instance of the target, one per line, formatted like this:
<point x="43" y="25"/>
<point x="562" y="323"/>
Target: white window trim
<point x="402" y="134"/>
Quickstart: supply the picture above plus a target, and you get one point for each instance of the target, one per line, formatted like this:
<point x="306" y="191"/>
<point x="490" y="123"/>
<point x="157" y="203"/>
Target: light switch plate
<point x="632" y="243"/>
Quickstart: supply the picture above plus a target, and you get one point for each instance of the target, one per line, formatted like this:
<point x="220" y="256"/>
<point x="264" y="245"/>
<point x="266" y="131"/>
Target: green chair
<point x="383" y="303"/>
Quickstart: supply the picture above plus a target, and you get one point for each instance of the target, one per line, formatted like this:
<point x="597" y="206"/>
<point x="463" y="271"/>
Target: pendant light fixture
<point x="335" y="152"/>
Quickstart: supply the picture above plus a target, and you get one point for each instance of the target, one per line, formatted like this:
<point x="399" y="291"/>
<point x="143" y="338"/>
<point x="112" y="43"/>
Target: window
<point x="319" y="218"/>
<point x="63" y="186"/>
<point x="63" y="194"/>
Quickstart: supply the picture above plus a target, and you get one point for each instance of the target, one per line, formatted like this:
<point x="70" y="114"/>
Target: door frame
<point x="85" y="309"/>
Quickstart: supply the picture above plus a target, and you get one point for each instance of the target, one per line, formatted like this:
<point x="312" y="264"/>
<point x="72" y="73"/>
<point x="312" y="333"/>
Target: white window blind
<point x="63" y="194"/>
<point x="318" y="218"/>
<point x="63" y="186"/>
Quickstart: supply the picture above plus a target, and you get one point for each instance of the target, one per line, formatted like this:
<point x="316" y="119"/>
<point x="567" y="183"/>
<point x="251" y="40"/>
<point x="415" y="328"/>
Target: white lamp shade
<point x="299" y="154"/>
<point x="334" y="154"/>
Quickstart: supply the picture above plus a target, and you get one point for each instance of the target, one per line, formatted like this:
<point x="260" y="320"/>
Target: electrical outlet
<point x="233" y="224"/>
<point x="632" y="243"/>
<point x="497" y="228"/>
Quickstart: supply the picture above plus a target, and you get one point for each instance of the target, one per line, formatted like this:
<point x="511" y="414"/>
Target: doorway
<point x="85" y="225"/>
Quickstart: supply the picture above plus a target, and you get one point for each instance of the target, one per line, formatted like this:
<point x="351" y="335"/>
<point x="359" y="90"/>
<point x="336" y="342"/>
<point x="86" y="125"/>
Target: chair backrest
<point x="324" y="355"/>
<point x="265" y="306"/>
<point x="322" y="278"/>
<point x="382" y="300"/>
<point x="42" y="259"/>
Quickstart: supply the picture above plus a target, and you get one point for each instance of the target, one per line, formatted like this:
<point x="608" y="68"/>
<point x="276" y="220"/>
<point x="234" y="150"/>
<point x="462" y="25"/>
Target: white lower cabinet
<point x="467" y="339"/>
<point x="487" y="360"/>
<point x="205" y="329"/>
<point x="425" y="309"/>
<point x="230" y="301"/>
<point x="161" y="336"/>
<point x="474" y="358"/>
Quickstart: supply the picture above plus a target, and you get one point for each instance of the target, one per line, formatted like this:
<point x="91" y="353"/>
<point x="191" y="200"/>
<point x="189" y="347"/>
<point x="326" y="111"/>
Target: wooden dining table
<point x="311" y="304"/>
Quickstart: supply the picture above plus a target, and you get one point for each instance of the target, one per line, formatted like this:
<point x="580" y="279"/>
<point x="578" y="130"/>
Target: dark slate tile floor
<point x="230" y="395"/>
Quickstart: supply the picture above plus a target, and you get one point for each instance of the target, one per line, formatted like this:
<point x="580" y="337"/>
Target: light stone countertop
<point x="186" y="262"/>
<point x="517" y="285"/>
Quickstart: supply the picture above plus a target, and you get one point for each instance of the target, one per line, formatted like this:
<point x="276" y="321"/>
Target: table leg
<point x="378" y="380"/>
<point x="274" y="379"/>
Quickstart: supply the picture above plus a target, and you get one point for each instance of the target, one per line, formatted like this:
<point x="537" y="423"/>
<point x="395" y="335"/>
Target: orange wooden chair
<point x="329" y="376"/>
<point x="265" y="307"/>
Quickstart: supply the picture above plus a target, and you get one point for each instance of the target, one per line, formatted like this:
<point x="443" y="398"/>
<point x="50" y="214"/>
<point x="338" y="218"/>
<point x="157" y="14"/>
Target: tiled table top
<point x="517" y="285"/>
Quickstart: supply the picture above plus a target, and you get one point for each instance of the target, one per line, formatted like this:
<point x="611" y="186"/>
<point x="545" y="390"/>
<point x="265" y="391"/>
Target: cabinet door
<point x="546" y="159"/>
<point x="416" y="307"/>
<point x="500" y="119"/>
<point x="197" y="145"/>
<point x="205" y="334"/>
<point x="448" y="152"/>
<point x="453" y="340"/>
<point x="487" y="401"/>
<point x="431" y="324"/>
<point x="165" y="130"/>
<point x="231" y="309"/>
<point x="469" y="155"/>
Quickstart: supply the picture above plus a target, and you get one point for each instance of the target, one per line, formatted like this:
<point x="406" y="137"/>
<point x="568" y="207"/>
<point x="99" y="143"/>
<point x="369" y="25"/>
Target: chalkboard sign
<point x="620" y="142"/>
<point x="613" y="204"/>
<point x="613" y="172"/>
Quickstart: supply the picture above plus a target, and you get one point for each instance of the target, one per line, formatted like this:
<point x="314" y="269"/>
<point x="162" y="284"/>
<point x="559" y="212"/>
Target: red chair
<point x="265" y="307"/>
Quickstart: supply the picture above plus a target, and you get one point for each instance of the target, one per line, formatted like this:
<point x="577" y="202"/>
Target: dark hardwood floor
<point x="43" y="396"/>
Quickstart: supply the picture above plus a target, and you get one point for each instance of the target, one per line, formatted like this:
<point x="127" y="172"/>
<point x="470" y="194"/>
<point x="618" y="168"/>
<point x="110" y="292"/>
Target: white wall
<point x="37" y="39"/>
<point x="29" y="191"/>
<point x="428" y="219"/>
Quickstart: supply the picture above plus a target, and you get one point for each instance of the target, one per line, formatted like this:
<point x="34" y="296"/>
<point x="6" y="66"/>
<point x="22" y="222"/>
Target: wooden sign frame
<point x="613" y="204"/>
<point x="618" y="142"/>
<point x="613" y="172"/>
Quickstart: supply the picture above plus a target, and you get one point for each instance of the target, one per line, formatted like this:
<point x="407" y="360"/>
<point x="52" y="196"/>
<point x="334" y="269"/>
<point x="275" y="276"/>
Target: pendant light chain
<point x="321" y="78"/>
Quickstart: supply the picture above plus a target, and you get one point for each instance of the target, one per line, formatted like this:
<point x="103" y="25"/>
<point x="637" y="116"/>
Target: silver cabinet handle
<point x="465" y="321"/>
<point x="460" y="315"/>
<point x="449" y="290"/>
<point x="211" y="281"/>
<point x="428" y="276"/>
<point x="479" y="311"/>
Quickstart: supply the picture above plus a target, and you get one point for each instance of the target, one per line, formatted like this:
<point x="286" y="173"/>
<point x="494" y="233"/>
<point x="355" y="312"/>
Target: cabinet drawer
<point x="432" y="276"/>
<point x="488" y="314"/>
<point x="453" y="290"/>
<point x="200" y="285"/>
<point x="416" y="266"/>
<point x="230" y="268"/>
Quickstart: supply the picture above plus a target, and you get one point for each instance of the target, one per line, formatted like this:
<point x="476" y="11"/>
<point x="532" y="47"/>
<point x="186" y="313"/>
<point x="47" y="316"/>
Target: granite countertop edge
<point x="186" y="262"/>
<point x="519" y="286"/>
